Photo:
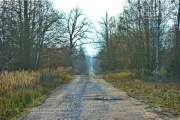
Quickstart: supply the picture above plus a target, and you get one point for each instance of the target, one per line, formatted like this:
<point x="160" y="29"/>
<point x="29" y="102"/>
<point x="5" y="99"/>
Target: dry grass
<point x="18" y="79"/>
<point x="165" y="97"/>
<point x="21" y="89"/>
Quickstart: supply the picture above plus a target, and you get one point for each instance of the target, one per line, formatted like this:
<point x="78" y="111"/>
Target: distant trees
<point x="81" y="61"/>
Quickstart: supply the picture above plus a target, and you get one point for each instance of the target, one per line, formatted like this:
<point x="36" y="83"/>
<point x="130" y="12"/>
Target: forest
<point x="39" y="42"/>
<point x="33" y="35"/>
<point x="144" y="38"/>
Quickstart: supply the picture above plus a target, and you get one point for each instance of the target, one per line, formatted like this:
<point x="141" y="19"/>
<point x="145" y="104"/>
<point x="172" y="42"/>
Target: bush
<point x="173" y="70"/>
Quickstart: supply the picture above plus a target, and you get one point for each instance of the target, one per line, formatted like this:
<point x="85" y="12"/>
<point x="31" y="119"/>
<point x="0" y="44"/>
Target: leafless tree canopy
<point x="78" y="27"/>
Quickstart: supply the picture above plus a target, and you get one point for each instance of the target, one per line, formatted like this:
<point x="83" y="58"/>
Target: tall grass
<point x="22" y="89"/>
<point x="19" y="79"/>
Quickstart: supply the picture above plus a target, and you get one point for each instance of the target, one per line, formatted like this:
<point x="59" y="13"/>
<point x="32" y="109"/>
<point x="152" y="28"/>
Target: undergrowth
<point x="165" y="97"/>
<point x="20" y="90"/>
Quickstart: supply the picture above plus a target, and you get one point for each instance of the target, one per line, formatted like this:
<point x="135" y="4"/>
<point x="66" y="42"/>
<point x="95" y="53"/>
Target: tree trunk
<point x="177" y="34"/>
<point x="71" y="51"/>
<point x="21" y="55"/>
<point x="27" y="43"/>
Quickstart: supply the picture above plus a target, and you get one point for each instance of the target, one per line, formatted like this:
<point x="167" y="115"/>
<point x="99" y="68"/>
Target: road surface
<point x="89" y="98"/>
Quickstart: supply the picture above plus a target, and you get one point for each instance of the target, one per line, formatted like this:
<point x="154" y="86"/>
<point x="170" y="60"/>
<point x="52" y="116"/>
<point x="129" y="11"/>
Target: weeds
<point x="22" y="89"/>
<point x="164" y="98"/>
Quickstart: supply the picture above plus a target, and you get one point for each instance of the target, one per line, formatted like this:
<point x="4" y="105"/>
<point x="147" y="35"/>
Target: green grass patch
<point x="165" y="97"/>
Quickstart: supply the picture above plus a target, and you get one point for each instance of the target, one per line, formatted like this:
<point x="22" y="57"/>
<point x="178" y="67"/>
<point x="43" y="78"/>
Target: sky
<point x="95" y="10"/>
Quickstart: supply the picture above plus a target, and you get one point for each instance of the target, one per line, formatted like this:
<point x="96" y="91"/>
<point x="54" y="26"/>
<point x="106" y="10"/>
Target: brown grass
<point x="165" y="97"/>
<point x="18" y="79"/>
<point x="21" y="89"/>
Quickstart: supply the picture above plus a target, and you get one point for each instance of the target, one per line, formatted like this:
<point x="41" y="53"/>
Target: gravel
<point x="89" y="98"/>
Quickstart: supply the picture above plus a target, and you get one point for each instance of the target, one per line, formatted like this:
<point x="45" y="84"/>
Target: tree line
<point x="143" y="38"/>
<point x="33" y="34"/>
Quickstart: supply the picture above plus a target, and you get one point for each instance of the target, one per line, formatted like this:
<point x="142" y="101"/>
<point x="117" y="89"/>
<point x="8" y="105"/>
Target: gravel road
<point x="89" y="98"/>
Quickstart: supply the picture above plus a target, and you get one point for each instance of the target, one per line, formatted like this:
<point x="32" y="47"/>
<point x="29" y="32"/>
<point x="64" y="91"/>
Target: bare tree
<point x="25" y="26"/>
<point x="47" y="18"/>
<point x="78" y="27"/>
<point x="106" y="36"/>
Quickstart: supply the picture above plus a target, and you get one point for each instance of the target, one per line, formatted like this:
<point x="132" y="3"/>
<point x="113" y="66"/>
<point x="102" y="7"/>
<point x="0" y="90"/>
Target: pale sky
<point x="95" y="10"/>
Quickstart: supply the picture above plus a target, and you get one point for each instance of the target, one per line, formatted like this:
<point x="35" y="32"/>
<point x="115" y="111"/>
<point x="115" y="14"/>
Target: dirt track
<point x="89" y="98"/>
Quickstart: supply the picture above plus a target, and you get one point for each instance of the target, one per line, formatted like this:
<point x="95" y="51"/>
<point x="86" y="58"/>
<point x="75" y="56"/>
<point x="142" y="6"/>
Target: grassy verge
<point x="164" y="98"/>
<point x="20" y="90"/>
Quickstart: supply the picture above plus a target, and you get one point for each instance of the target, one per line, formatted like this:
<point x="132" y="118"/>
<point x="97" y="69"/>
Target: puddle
<point x="105" y="98"/>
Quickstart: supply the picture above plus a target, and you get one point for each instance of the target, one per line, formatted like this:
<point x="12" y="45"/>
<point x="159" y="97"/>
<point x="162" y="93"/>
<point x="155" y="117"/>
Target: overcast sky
<point x="93" y="9"/>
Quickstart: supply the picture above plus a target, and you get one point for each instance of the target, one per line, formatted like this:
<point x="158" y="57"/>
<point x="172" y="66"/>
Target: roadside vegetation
<point x="162" y="97"/>
<point x="142" y="41"/>
<point x="20" y="90"/>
